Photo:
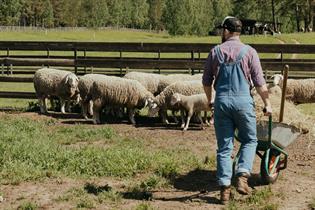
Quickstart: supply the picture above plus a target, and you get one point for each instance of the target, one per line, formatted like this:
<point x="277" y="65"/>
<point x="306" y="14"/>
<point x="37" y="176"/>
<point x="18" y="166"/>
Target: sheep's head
<point x="175" y="98"/>
<point x="72" y="82"/>
<point x="153" y="107"/>
<point x="277" y="79"/>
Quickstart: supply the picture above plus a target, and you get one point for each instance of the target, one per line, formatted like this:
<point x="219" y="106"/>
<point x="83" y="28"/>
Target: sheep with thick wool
<point x="85" y="88"/>
<point x="162" y="102"/>
<point x="298" y="90"/>
<point x="49" y="83"/>
<point x="192" y="104"/>
<point x="119" y="92"/>
<point x="156" y="83"/>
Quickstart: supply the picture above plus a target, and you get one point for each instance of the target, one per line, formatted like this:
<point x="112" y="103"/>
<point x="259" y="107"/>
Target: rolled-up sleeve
<point x="208" y="73"/>
<point x="256" y="71"/>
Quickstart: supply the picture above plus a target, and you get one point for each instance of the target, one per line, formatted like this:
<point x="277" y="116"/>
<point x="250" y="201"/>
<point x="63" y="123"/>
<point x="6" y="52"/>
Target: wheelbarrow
<point x="273" y="138"/>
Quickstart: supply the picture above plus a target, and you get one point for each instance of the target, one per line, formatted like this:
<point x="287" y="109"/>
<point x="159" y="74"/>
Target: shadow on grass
<point x="197" y="183"/>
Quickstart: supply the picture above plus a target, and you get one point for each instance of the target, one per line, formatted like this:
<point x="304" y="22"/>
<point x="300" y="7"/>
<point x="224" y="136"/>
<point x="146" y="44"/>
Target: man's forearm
<point x="208" y="91"/>
<point x="263" y="92"/>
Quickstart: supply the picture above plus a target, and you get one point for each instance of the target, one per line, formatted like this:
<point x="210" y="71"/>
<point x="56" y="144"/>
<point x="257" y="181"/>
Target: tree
<point x="94" y="13"/>
<point x="139" y="13"/>
<point x="10" y="12"/>
<point x="155" y="13"/>
<point x="176" y="18"/>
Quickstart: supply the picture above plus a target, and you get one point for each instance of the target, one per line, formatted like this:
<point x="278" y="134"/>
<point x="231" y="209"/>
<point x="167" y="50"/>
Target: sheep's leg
<point x="42" y="105"/>
<point x="174" y="116"/>
<point x="96" y="111"/>
<point x="90" y="107"/>
<point x="68" y="106"/>
<point x="200" y="118"/>
<point x="131" y="113"/>
<point x="182" y="116"/>
<point x="63" y="104"/>
<point x="206" y="118"/>
<point x="163" y="114"/>
<point x="190" y="113"/>
<point x="84" y="107"/>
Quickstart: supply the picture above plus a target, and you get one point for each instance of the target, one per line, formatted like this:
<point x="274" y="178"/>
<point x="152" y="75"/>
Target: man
<point x="232" y="67"/>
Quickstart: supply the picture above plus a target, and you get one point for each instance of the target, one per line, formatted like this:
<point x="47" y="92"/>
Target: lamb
<point x="162" y="101"/>
<point x="50" y="83"/>
<point x="119" y="92"/>
<point x="298" y="90"/>
<point x="192" y="104"/>
<point x="156" y="83"/>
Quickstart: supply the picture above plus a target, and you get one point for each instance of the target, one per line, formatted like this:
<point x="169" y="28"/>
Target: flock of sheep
<point x="136" y="90"/>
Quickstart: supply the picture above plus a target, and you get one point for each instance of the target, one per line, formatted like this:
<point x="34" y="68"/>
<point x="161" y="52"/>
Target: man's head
<point x="231" y="26"/>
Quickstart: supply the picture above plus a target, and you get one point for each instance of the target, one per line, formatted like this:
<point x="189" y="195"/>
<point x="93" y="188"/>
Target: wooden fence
<point x="23" y="58"/>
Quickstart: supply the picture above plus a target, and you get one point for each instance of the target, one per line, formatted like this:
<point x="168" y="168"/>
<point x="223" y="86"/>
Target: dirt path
<point x="195" y="190"/>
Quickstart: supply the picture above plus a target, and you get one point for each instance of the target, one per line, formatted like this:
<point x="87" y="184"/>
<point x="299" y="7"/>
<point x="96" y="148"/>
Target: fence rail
<point x="18" y="56"/>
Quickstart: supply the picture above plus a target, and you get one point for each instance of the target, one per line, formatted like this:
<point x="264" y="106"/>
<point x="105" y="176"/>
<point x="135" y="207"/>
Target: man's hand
<point x="267" y="111"/>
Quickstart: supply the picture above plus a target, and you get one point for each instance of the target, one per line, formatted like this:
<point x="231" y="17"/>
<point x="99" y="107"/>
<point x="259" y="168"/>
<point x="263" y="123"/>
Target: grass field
<point x="130" y="36"/>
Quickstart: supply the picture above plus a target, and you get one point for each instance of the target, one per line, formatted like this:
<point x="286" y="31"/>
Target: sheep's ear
<point x="146" y="103"/>
<point x="67" y="79"/>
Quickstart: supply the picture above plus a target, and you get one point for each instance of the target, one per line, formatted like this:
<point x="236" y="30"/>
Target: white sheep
<point x="85" y="87"/>
<point x="192" y="104"/>
<point x="118" y="92"/>
<point x="298" y="90"/>
<point x="149" y="80"/>
<point x="172" y="78"/>
<point x="161" y="103"/>
<point x="49" y="83"/>
<point x="156" y="83"/>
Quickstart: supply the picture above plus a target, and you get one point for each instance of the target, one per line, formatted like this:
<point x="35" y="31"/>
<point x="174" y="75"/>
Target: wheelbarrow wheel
<point x="267" y="176"/>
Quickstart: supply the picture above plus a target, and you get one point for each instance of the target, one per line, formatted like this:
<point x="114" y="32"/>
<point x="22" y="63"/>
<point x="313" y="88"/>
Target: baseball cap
<point x="231" y="23"/>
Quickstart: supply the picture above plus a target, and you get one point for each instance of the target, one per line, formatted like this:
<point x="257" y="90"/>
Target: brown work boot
<point x="241" y="184"/>
<point x="225" y="193"/>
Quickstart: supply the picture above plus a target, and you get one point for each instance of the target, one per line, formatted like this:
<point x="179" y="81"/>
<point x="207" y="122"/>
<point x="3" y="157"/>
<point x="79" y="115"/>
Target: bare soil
<point x="195" y="190"/>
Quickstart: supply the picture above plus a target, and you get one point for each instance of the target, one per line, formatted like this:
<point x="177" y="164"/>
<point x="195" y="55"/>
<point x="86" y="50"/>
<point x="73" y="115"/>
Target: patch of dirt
<point x="195" y="190"/>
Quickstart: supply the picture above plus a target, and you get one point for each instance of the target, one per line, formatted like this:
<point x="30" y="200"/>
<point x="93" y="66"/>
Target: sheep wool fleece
<point x="234" y="109"/>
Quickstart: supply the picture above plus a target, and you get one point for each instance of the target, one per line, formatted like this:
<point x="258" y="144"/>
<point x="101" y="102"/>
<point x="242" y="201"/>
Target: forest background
<point x="177" y="17"/>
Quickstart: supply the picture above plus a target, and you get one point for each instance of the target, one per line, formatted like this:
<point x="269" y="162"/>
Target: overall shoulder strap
<point x="219" y="54"/>
<point x="242" y="53"/>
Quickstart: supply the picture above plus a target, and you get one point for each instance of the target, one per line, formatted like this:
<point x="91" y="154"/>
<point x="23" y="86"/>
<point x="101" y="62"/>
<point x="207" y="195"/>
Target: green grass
<point x="110" y="35"/>
<point x="33" y="150"/>
<point x="259" y="199"/>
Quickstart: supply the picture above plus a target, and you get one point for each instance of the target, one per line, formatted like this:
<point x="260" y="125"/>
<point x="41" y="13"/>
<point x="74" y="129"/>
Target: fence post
<point x="48" y="55"/>
<point x="159" y="58"/>
<point x="75" y="61"/>
<point x="281" y="57"/>
<point x="84" y="59"/>
<point x="2" y="69"/>
<point x="284" y="87"/>
<point x="120" y="57"/>
<point x="11" y="68"/>
<point x="199" y="59"/>
<point x="193" y="59"/>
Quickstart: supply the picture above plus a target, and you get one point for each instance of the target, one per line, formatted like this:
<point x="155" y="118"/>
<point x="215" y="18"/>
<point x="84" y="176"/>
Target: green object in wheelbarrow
<point x="273" y="138"/>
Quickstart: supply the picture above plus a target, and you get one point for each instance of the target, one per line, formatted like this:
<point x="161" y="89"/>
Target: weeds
<point x="28" y="206"/>
<point x="144" y="206"/>
<point x="312" y="204"/>
<point x="258" y="200"/>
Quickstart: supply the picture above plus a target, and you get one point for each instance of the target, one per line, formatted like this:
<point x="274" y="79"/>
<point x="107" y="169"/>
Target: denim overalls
<point x="234" y="109"/>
